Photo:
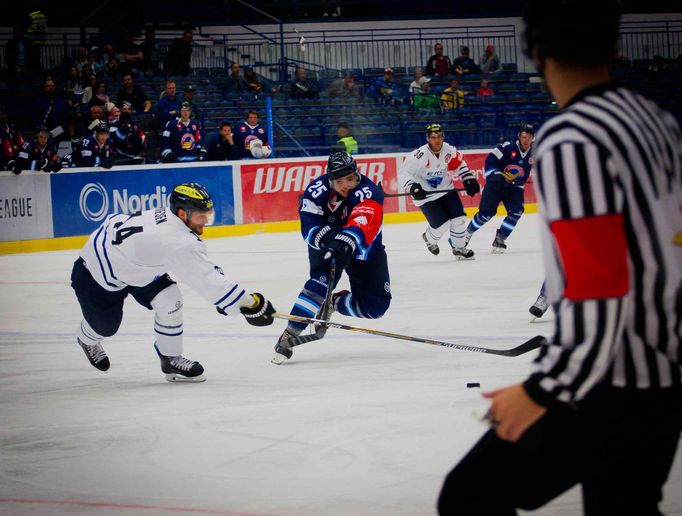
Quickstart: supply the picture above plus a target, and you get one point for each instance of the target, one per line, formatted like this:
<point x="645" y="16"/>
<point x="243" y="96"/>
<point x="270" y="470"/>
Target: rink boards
<point x="40" y="211"/>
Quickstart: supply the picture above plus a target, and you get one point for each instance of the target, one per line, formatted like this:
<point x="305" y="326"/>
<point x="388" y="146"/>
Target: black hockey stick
<point x="405" y="194"/>
<point x="320" y="324"/>
<point x="527" y="346"/>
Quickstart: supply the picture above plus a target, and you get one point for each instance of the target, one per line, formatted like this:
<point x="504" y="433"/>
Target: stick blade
<point x="531" y="344"/>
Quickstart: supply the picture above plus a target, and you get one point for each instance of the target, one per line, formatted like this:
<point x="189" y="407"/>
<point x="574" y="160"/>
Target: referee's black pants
<point x="619" y="445"/>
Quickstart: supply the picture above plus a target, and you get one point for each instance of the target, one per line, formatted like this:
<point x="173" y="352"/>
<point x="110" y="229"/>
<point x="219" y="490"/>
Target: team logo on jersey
<point x="361" y="220"/>
<point x="435" y="181"/>
<point x="447" y="158"/>
<point x="100" y="201"/>
<point x="531" y="160"/>
<point x="387" y="287"/>
<point x="187" y="141"/>
<point x="513" y="154"/>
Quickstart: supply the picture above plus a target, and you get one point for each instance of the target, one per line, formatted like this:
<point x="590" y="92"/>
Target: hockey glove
<point x="471" y="186"/>
<point x="17" y="168"/>
<point x="340" y="248"/>
<point x="417" y="192"/>
<point x="202" y="155"/>
<point x="54" y="166"/>
<point x="168" y="158"/>
<point x="260" y="314"/>
<point x="107" y="163"/>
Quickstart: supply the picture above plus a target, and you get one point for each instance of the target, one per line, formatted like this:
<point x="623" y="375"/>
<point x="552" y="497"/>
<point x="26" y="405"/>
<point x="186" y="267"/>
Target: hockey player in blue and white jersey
<point x="39" y="153"/>
<point x="426" y="174"/>
<point x="341" y="220"/>
<point x="133" y="254"/>
<point x="251" y="138"/>
<point x="507" y="168"/>
<point x="95" y="150"/>
<point x="181" y="138"/>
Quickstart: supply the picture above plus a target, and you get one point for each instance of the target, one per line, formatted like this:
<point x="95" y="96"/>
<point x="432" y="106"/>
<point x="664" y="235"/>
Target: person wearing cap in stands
<point x="489" y="62"/>
<point x="386" y="89"/>
<point x="181" y="138"/>
<point x="38" y="153"/>
<point x="96" y="150"/>
<point x="188" y="97"/>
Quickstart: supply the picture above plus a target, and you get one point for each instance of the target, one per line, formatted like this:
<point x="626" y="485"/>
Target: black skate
<point x="463" y="253"/>
<point x="181" y="369"/>
<point x="433" y="248"/>
<point x="499" y="246"/>
<point x="283" y="351"/>
<point x="539" y="307"/>
<point x="96" y="355"/>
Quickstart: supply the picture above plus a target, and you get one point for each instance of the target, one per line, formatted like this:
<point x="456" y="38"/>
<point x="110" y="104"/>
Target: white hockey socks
<point x="168" y="321"/>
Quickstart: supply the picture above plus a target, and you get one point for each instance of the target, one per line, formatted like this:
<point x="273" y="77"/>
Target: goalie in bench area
<point x="132" y="254"/>
<point x="341" y="217"/>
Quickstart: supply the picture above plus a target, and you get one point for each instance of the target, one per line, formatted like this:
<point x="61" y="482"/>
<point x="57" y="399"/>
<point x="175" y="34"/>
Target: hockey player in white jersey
<point x="133" y="254"/>
<point x="427" y="175"/>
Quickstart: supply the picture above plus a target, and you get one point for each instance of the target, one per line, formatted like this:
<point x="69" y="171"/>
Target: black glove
<point x="53" y="166"/>
<point x="340" y="248"/>
<point x="261" y="313"/>
<point x="471" y="186"/>
<point x="417" y="192"/>
<point x="107" y="163"/>
<point x="202" y="155"/>
<point x="17" y="168"/>
<point x="168" y="158"/>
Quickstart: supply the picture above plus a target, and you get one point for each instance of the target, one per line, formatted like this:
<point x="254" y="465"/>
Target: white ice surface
<point x="353" y="425"/>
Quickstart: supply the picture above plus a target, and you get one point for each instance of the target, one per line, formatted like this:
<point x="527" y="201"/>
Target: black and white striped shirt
<point x="609" y="170"/>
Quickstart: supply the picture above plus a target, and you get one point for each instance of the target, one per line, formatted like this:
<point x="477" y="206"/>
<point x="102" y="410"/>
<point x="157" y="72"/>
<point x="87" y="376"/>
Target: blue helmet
<point x="341" y="164"/>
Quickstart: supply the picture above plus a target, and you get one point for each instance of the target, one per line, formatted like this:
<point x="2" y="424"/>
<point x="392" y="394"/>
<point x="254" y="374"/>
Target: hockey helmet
<point x="341" y="164"/>
<point x="41" y="129"/>
<point x="527" y="128"/>
<point x="433" y="128"/>
<point x="101" y="128"/>
<point x="190" y="197"/>
<point x="580" y="32"/>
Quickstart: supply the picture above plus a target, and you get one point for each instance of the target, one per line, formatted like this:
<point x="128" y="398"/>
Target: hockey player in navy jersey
<point x="426" y="174"/>
<point x="251" y="138"/>
<point x="95" y="150"/>
<point x="133" y="254"/>
<point x="39" y="153"/>
<point x="507" y="168"/>
<point x="341" y="218"/>
<point x="181" y="138"/>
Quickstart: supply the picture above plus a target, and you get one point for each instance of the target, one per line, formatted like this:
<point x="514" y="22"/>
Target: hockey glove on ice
<point x="417" y="192"/>
<point x="471" y="186"/>
<point x="260" y="314"/>
<point x="340" y="248"/>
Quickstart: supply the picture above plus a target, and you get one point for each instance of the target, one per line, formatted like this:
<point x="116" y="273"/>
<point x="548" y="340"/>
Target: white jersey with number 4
<point x="134" y="250"/>
<point x="431" y="171"/>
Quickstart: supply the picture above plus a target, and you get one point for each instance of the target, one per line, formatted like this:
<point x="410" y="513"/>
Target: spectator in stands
<point x="35" y="35"/>
<point x="345" y="87"/>
<point x="302" y="87"/>
<point x="132" y="54"/>
<point x="484" y="90"/>
<point x="464" y="64"/>
<point x="111" y="61"/>
<point x="96" y="61"/>
<point x="179" y="55"/>
<point x="248" y="132"/>
<point x="15" y="57"/>
<point x="73" y="89"/>
<point x="95" y="149"/>
<point x="255" y="86"/>
<point x="81" y="59"/>
<point x="235" y="82"/>
<point x="89" y="91"/>
<point x="452" y="98"/>
<point x="490" y="63"/>
<point x="188" y="97"/>
<point x="11" y="140"/>
<point x="181" y="138"/>
<point x="223" y="147"/>
<point x="385" y="88"/>
<point x="425" y="101"/>
<point x="49" y="109"/>
<point x="331" y="8"/>
<point x="419" y="80"/>
<point x="96" y="117"/>
<point x="658" y="69"/>
<point x="345" y="142"/>
<point x="38" y="153"/>
<point x="438" y="64"/>
<point x="134" y="94"/>
<point x="99" y="97"/>
<point x="169" y="104"/>
<point x="150" y="50"/>
<point x="129" y="139"/>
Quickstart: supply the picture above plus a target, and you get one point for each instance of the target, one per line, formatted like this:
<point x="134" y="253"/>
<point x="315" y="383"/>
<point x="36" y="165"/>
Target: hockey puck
<point x="473" y="384"/>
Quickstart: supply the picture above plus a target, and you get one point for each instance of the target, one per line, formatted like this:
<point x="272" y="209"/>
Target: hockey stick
<point x="527" y="346"/>
<point x="404" y="194"/>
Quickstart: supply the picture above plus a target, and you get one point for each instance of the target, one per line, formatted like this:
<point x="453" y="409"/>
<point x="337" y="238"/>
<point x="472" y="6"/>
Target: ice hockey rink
<point x="354" y="424"/>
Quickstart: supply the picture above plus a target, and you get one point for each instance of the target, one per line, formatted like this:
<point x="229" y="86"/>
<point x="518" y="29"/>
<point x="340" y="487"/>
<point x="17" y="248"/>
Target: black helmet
<point x="190" y="197"/>
<point x="340" y="165"/>
<point x="527" y="128"/>
<point x="102" y="127"/>
<point x="579" y="32"/>
<point x="41" y="128"/>
<point x="433" y="128"/>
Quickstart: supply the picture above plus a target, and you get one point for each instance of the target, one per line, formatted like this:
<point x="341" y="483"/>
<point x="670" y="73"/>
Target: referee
<point x="603" y="404"/>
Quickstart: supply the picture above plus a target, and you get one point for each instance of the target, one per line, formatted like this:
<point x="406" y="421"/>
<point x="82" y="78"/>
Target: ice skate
<point x="96" y="355"/>
<point x="499" y="246"/>
<point x="539" y="307"/>
<point x="181" y="369"/>
<point x="283" y="351"/>
<point x="463" y="253"/>
<point x="433" y="248"/>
